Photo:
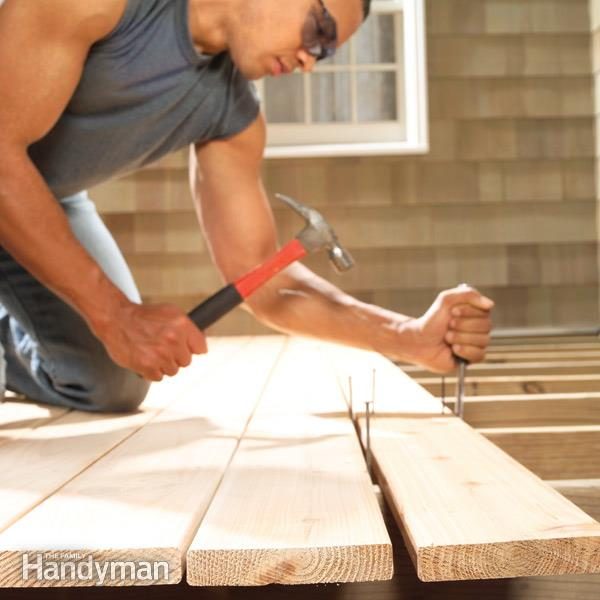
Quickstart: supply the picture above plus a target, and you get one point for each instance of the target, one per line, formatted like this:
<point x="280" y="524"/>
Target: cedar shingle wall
<point x="595" y="27"/>
<point x="506" y="198"/>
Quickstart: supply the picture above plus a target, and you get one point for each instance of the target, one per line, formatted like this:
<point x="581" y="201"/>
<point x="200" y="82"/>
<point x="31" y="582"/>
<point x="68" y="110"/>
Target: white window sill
<point x="346" y="150"/>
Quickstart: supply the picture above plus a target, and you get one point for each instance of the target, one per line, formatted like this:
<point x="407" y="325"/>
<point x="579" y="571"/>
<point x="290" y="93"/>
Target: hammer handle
<point x="226" y="299"/>
<point x="215" y="307"/>
<point x="291" y="252"/>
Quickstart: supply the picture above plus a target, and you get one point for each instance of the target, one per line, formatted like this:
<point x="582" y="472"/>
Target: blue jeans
<point x="50" y="354"/>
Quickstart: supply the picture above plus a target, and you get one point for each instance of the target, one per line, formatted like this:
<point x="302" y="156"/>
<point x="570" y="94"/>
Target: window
<point x="370" y="98"/>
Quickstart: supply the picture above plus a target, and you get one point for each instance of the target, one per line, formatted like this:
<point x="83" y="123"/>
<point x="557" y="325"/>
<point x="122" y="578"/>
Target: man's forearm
<point x="298" y="301"/>
<point x="234" y="213"/>
<point x="151" y="340"/>
<point x="36" y="232"/>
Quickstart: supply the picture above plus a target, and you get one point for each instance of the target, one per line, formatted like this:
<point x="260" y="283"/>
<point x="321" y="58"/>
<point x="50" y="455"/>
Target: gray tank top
<point x="145" y="91"/>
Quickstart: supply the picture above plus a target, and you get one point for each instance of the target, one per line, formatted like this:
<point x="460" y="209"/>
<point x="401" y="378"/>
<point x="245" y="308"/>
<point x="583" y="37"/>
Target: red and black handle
<point x="226" y="299"/>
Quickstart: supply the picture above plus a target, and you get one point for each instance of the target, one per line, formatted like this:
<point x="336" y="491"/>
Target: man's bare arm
<point x="238" y="223"/>
<point x="53" y="38"/>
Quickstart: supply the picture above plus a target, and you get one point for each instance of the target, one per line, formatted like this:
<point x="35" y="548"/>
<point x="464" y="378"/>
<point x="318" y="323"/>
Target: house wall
<point x="595" y="45"/>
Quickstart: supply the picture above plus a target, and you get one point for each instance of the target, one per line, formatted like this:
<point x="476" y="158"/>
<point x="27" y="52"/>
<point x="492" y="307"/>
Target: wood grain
<point x="35" y="465"/>
<point x="517" y="384"/>
<point x="449" y="488"/>
<point x="506" y="97"/>
<point x="404" y="586"/>
<point x="550" y="344"/>
<point x="569" y="452"/>
<point x="569" y="366"/>
<point x="533" y="410"/>
<point x="557" y="355"/>
<point x="296" y="504"/>
<point x="18" y="417"/>
<point x="144" y="500"/>
<point x="583" y="492"/>
<point x="549" y="55"/>
<point x="369" y="377"/>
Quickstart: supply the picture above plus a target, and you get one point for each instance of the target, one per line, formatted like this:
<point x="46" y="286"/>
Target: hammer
<point x="317" y="235"/>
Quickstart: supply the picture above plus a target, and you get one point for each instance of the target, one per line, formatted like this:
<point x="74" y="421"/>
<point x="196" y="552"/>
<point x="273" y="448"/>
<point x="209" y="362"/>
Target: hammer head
<point x="318" y="235"/>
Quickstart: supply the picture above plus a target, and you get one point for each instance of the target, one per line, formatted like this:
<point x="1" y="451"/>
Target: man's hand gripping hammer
<point x="317" y="235"/>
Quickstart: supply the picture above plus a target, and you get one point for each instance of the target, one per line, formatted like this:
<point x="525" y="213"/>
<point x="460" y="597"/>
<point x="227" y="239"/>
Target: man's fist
<point x="457" y="323"/>
<point x="152" y="340"/>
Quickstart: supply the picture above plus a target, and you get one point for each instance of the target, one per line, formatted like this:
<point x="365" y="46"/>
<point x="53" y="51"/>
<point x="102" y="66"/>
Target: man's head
<point x="271" y="37"/>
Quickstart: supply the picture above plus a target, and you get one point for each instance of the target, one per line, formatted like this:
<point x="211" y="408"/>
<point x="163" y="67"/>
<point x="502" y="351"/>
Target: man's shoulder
<point x="92" y="19"/>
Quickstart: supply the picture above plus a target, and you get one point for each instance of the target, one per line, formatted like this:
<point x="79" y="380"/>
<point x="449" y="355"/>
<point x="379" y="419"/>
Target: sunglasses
<point x="319" y="34"/>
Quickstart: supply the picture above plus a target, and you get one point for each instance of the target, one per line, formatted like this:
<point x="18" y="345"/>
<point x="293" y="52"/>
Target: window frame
<point x="415" y="102"/>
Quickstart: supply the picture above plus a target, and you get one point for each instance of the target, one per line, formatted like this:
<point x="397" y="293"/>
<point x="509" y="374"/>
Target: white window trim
<point x="416" y="117"/>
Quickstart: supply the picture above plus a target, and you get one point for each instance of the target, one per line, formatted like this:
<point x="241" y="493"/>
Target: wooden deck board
<point x="471" y="512"/>
<point x="18" y="417"/>
<point x="454" y="527"/>
<point x="82" y="465"/>
<point x="35" y="465"/>
<point x="404" y="586"/>
<point x="451" y="490"/>
<point x="296" y="504"/>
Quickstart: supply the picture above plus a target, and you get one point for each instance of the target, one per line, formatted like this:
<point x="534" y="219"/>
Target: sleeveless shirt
<point x="144" y="92"/>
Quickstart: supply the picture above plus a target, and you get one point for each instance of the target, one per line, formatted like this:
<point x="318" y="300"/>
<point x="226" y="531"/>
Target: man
<point x="97" y="88"/>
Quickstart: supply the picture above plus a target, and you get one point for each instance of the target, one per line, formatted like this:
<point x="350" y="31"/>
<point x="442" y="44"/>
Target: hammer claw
<point x="318" y="235"/>
<point x="301" y="209"/>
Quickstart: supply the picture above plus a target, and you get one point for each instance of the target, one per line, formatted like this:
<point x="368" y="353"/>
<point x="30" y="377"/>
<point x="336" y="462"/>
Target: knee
<point x="119" y="391"/>
<point x="93" y="382"/>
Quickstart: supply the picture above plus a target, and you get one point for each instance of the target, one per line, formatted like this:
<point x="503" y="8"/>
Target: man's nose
<point x="306" y="61"/>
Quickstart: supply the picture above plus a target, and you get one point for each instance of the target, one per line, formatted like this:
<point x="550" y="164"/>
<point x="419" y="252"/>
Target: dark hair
<point x="366" y="8"/>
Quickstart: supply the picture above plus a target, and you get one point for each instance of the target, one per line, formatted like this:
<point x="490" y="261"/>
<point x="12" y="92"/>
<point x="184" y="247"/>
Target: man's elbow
<point x="278" y="303"/>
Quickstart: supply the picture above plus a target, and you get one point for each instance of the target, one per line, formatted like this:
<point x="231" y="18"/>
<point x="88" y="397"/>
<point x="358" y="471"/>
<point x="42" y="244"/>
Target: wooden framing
<point x="583" y="492"/>
<point x="531" y="410"/>
<point x="495" y="357"/>
<point x="552" y="452"/>
<point x="521" y="369"/>
<point x="541" y="346"/>
<point x="517" y="384"/>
